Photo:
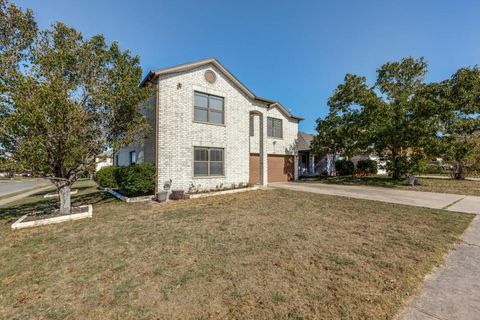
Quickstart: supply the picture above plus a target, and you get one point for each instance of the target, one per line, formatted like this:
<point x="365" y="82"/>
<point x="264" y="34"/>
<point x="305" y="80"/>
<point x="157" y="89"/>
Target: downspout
<point x="157" y="107"/>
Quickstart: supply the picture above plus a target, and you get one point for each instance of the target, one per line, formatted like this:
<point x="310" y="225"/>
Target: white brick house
<point x="210" y="130"/>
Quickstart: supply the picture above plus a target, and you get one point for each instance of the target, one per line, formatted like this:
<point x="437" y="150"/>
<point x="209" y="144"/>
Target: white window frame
<point x="133" y="152"/>
<point x="208" y="161"/>
<point x="209" y="111"/>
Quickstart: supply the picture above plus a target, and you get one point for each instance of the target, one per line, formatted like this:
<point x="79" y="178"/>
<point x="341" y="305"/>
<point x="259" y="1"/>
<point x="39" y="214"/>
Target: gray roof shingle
<point x="304" y="141"/>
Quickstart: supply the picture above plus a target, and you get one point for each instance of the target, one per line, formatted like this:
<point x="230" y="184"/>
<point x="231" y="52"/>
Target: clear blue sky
<point x="295" y="52"/>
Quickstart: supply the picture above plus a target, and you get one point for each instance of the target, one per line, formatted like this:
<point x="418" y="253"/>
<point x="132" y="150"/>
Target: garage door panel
<point x="280" y="168"/>
<point x="254" y="176"/>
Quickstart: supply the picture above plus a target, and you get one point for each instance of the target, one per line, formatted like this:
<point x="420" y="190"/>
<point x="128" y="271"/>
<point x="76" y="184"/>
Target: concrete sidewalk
<point x="452" y="202"/>
<point x="451" y="292"/>
<point x="22" y="195"/>
<point x="430" y="176"/>
<point x="14" y="186"/>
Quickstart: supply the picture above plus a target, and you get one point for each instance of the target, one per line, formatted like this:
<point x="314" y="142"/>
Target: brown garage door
<point x="254" y="168"/>
<point x="280" y="168"/>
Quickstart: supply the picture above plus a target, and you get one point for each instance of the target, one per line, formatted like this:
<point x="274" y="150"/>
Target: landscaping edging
<point x="19" y="224"/>
<point x="51" y="195"/>
<point x="217" y="193"/>
<point x="127" y="199"/>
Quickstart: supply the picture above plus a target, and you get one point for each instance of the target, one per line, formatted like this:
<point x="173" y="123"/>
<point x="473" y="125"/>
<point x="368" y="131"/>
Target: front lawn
<point x="466" y="187"/>
<point x="270" y="254"/>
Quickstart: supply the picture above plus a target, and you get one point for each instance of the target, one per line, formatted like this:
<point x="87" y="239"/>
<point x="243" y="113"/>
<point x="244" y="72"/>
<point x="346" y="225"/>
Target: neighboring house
<point x="103" y="160"/>
<point x="211" y="130"/>
<point x="380" y="163"/>
<point x="310" y="164"/>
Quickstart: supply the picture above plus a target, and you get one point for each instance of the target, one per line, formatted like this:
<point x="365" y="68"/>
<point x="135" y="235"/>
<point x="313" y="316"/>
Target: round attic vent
<point x="210" y="76"/>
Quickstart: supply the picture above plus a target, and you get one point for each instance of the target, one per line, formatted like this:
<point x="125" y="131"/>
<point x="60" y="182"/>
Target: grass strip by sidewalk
<point x="464" y="187"/>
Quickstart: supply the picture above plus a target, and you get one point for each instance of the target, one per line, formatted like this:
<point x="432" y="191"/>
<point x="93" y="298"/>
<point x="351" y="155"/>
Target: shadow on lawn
<point x="378" y="181"/>
<point x="10" y="214"/>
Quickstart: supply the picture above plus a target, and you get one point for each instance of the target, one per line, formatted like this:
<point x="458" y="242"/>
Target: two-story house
<point x="211" y="130"/>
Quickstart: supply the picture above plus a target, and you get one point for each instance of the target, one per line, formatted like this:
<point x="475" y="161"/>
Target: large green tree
<point x="392" y="118"/>
<point x="458" y="104"/>
<point x="64" y="98"/>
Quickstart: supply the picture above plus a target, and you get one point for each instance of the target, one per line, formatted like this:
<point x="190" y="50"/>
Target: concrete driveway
<point x="13" y="186"/>
<point x="452" y="202"/>
<point x="451" y="292"/>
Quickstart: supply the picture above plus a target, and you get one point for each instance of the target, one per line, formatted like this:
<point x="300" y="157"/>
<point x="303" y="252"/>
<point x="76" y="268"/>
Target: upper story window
<point x="209" y="108"/>
<point x="133" y="157"/>
<point x="274" y="127"/>
<point x="252" y="126"/>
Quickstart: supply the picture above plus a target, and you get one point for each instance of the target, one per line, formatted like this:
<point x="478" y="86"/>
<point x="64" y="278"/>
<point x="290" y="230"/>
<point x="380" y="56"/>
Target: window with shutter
<point x="274" y="127"/>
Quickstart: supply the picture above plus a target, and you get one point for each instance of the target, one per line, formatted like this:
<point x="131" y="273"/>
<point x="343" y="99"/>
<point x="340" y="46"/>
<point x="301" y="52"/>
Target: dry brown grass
<point x="273" y="254"/>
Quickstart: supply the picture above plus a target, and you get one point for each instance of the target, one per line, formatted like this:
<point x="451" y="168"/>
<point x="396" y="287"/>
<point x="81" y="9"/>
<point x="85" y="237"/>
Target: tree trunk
<point x="64" y="194"/>
<point x="458" y="173"/>
<point x="396" y="175"/>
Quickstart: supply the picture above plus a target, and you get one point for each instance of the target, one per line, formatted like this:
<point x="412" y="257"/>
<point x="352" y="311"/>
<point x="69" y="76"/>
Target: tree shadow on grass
<point x="12" y="213"/>
<point x="364" y="181"/>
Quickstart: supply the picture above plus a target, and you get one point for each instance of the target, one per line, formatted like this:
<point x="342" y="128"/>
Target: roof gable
<point x="192" y="65"/>
<point x="304" y="141"/>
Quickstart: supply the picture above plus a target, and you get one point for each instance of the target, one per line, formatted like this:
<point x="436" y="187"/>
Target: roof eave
<point x="186" y="66"/>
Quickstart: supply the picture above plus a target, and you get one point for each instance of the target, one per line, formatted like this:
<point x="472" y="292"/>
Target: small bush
<point x="105" y="177"/>
<point x="367" y="166"/>
<point x="137" y="180"/>
<point x="344" y="167"/>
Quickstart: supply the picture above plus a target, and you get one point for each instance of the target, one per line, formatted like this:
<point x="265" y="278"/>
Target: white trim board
<point x="19" y="224"/>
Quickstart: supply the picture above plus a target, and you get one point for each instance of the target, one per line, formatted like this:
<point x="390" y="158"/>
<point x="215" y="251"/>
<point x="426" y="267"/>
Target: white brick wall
<point x="178" y="133"/>
<point x="283" y="145"/>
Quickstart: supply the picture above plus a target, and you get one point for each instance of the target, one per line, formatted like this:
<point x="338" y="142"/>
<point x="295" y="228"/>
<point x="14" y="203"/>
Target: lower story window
<point x="208" y="162"/>
<point x="133" y="157"/>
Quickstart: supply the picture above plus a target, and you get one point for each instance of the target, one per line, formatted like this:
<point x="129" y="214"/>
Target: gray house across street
<point x="309" y="164"/>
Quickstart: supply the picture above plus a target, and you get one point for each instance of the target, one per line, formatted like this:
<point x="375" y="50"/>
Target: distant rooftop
<point x="304" y="141"/>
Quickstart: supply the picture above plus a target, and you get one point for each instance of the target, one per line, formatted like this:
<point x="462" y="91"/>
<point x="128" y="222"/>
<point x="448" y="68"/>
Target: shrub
<point x="105" y="177"/>
<point x="367" y="166"/>
<point x="136" y="180"/>
<point x="344" y="167"/>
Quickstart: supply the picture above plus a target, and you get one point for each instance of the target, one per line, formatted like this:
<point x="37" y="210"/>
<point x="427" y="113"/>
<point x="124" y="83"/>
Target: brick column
<point x="263" y="150"/>
<point x="311" y="163"/>
<point x="295" y="163"/>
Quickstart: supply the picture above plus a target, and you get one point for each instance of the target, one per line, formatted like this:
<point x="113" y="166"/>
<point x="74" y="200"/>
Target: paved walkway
<point x="14" y="186"/>
<point x="451" y="292"/>
<point x="432" y="176"/>
<point x="22" y="195"/>
<point x="452" y="202"/>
